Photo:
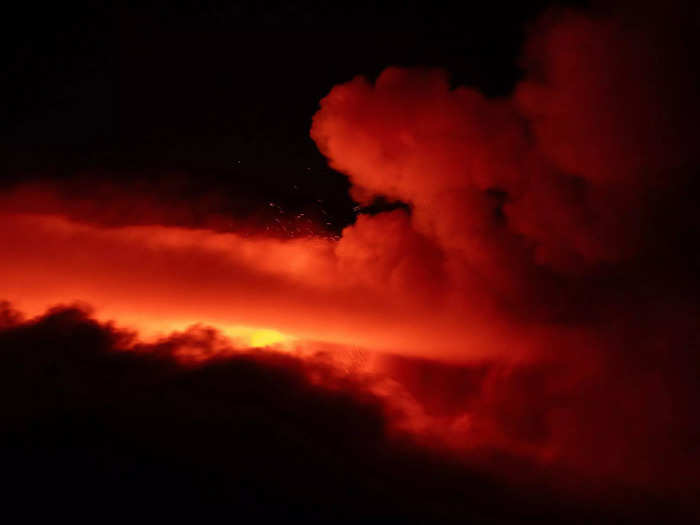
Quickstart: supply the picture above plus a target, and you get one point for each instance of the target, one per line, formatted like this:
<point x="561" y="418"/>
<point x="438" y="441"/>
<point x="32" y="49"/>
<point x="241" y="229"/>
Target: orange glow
<point x="244" y="336"/>
<point x="155" y="279"/>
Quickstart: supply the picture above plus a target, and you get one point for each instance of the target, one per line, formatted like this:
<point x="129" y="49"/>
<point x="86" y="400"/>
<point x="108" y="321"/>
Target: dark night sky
<point x="223" y="94"/>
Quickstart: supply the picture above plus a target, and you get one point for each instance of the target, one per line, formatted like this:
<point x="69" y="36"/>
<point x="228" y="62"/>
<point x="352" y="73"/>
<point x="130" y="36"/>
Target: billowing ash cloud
<point x="538" y="299"/>
<point x="551" y="209"/>
<point x="557" y="174"/>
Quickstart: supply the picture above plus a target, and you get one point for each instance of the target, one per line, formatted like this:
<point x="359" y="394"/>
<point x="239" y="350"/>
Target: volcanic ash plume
<point x="546" y="222"/>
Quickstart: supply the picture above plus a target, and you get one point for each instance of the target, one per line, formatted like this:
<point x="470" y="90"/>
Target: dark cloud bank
<point x="98" y="425"/>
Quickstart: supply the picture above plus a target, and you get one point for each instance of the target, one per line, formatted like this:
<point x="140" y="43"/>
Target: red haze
<point x="530" y="303"/>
